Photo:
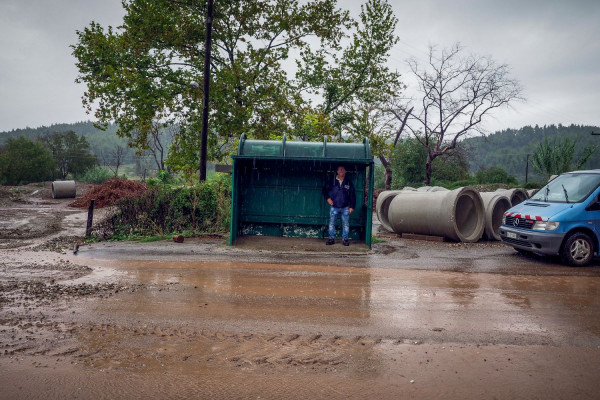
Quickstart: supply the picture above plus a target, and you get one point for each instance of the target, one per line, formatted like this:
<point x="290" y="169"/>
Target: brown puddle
<point x="384" y="302"/>
<point x="240" y="329"/>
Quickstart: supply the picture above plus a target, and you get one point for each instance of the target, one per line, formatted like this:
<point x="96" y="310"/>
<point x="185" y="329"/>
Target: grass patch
<point x="375" y="239"/>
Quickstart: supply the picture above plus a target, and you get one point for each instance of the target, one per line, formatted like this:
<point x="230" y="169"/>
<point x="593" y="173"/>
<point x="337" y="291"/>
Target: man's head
<point x="341" y="172"/>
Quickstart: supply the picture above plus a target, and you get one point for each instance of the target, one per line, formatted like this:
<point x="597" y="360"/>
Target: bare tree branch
<point x="457" y="93"/>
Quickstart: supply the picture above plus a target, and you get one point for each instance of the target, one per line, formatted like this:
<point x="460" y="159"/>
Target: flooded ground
<point x="292" y="319"/>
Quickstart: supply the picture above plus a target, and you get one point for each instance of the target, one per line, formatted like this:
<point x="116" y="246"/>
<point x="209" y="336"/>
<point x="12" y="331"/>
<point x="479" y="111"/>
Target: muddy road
<point x="288" y="318"/>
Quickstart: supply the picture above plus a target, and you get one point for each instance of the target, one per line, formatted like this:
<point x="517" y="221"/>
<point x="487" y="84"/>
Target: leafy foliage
<point x="494" y="175"/>
<point x="350" y="81"/>
<point x="71" y="153"/>
<point x="167" y="209"/>
<point x="96" y="175"/>
<point x="141" y="74"/>
<point x="24" y="161"/>
<point x="379" y="175"/>
<point x="409" y="161"/>
<point x="557" y="157"/>
<point x="450" y="168"/>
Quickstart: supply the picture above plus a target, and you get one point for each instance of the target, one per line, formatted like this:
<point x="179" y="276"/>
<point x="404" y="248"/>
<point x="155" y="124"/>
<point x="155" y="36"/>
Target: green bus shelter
<point x="277" y="188"/>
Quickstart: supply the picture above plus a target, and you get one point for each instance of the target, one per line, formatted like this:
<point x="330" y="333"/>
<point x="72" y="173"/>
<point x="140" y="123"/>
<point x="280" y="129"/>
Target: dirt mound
<point x="107" y="193"/>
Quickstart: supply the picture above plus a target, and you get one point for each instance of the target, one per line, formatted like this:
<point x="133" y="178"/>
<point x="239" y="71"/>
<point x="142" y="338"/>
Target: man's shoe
<point x="330" y="242"/>
<point x="345" y="242"/>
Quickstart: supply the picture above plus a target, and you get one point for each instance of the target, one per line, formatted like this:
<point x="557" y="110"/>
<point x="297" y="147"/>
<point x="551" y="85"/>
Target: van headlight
<point x="545" y="225"/>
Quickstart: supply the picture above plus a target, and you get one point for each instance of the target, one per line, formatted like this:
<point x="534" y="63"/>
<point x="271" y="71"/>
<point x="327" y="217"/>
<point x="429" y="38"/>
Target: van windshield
<point x="568" y="188"/>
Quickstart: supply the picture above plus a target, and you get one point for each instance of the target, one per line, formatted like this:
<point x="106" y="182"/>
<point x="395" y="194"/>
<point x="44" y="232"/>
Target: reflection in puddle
<point x="387" y="302"/>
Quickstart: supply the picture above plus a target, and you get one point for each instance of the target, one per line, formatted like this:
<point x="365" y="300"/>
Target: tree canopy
<point x="24" y="161"/>
<point x="70" y="152"/>
<point x="554" y="158"/>
<point x="409" y="159"/>
<point x="141" y="73"/>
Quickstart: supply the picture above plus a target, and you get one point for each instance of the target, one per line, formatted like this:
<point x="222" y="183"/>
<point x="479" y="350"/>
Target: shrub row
<point x="169" y="209"/>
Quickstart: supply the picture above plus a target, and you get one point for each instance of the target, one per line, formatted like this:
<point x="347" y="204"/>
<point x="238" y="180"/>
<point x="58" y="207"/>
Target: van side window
<point x="595" y="205"/>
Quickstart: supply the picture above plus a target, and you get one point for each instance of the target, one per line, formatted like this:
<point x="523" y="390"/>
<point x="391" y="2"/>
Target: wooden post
<point x="90" y="218"/>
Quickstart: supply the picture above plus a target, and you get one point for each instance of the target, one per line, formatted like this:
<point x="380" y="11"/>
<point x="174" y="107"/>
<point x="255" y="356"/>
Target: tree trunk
<point x="388" y="178"/>
<point x="428" y="170"/>
<point x="388" y="172"/>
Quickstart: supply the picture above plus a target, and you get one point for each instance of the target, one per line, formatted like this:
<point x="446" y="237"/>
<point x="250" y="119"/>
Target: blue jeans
<point x="333" y="212"/>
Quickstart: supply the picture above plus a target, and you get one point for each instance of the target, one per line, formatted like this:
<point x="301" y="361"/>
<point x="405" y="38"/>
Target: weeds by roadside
<point x="166" y="209"/>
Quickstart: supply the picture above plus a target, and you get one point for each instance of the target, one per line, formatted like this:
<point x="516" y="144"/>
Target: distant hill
<point x="100" y="141"/>
<point x="508" y="149"/>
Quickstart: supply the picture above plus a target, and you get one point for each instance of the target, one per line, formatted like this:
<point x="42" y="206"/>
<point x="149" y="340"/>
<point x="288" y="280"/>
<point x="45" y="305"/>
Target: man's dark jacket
<point x="343" y="194"/>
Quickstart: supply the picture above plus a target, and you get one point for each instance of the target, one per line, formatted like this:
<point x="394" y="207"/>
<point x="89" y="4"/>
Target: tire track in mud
<point x="152" y="347"/>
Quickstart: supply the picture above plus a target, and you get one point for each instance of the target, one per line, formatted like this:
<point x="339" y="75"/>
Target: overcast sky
<point x="552" y="47"/>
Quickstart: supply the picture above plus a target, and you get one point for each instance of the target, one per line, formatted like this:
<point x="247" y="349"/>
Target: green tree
<point x="142" y="73"/>
<point x="554" y="158"/>
<point x="494" y="175"/>
<point x="353" y="84"/>
<point x="408" y="163"/>
<point x="379" y="175"/>
<point x="450" y="167"/>
<point x="71" y="153"/>
<point x="409" y="160"/>
<point x="24" y="161"/>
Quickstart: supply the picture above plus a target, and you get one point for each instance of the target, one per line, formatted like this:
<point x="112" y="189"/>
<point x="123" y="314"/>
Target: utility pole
<point x="207" y="49"/>
<point x="527" y="168"/>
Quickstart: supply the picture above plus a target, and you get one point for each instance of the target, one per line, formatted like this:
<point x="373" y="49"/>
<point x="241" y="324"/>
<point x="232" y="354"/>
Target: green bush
<point x="379" y="175"/>
<point x="494" y="175"/>
<point x="533" y="185"/>
<point x="23" y="161"/>
<point x="96" y="175"/>
<point x="453" y="185"/>
<point x="169" y="209"/>
<point x="408" y="165"/>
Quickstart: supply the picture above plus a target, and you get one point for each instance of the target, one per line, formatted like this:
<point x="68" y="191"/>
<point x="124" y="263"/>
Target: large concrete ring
<point x="63" y="189"/>
<point x="456" y="214"/>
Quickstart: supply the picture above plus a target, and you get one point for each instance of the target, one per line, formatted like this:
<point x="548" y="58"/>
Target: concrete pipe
<point x="63" y="189"/>
<point x="455" y="214"/>
<point x="432" y="189"/>
<point x="516" y="196"/>
<point x="531" y="192"/>
<point x="495" y="205"/>
<point x="383" y="204"/>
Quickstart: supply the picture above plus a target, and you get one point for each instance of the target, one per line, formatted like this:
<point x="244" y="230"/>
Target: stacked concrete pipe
<point x="495" y="203"/>
<point x="63" y="189"/>
<point x="516" y="196"/>
<point x="455" y="214"/>
<point x="382" y="206"/>
<point x="432" y="189"/>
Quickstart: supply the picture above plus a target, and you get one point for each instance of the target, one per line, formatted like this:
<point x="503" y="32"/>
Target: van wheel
<point x="577" y="250"/>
